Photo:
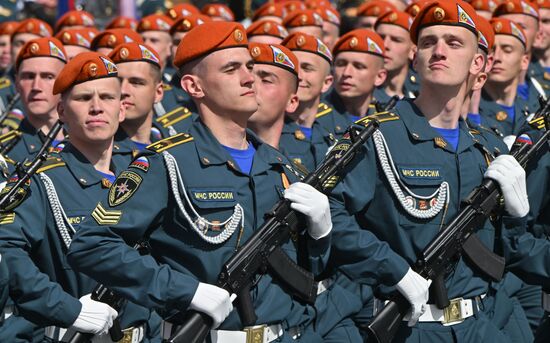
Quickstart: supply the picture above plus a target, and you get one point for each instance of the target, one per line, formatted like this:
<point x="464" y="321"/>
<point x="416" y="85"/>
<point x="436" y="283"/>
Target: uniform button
<point x="205" y="160"/>
<point x="338" y="127"/>
<point x="83" y="181"/>
<point x="279" y="159"/>
<point x="299" y="135"/>
<point x="415" y="135"/>
<point x="32" y="146"/>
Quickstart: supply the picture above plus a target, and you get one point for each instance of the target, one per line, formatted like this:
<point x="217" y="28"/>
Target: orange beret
<point x="84" y="67"/>
<point x="218" y="10"/>
<point x="401" y="19"/>
<point x="315" y="4"/>
<point x="486" y="35"/>
<point x="301" y="18"/>
<point x="503" y="26"/>
<point x="484" y="5"/>
<point x="414" y="8"/>
<point x="185" y="24"/>
<point x="41" y="47"/>
<point x="113" y="37"/>
<point x="329" y="14"/>
<point x="78" y="37"/>
<point x="155" y="22"/>
<point x="135" y="52"/>
<point x="266" y="27"/>
<point x="269" y="9"/>
<point x="517" y="7"/>
<point x="208" y="37"/>
<point x="543" y="4"/>
<point x="34" y="26"/>
<point x="121" y="22"/>
<point x="375" y="8"/>
<point x="276" y="55"/>
<point x="8" y="27"/>
<point x="303" y="42"/>
<point x="444" y="12"/>
<point x="182" y="10"/>
<point x="293" y="5"/>
<point x="360" y="40"/>
<point x="75" y="18"/>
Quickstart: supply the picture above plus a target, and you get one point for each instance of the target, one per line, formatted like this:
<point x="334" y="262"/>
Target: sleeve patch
<point x="106" y="217"/>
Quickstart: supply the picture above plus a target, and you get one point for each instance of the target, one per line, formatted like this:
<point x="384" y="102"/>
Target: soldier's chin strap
<point x="200" y="224"/>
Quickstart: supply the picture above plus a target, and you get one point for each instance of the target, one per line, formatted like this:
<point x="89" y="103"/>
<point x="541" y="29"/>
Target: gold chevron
<point x="106" y="217"/>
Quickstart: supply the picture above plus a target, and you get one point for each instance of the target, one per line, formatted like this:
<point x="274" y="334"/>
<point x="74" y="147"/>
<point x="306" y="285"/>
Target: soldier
<point x="270" y="11"/>
<point x="218" y="12"/>
<point x="37" y="227"/>
<point x="484" y="8"/>
<point x="305" y="21"/>
<point x="368" y="13"/>
<point x="540" y="63"/>
<point x="26" y="30"/>
<point x="183" y="25"/>
<point x="331" y="25"/>
<point x="75" y="20"/>
<point x="6" y="30"/>
<point x="107" y="40"/>
<point x="182" y="10"/>
<point x="266" y="31"/>
<point x="155" y="30"/>
<point x="122" y="22"/>
<point x="76" y="41"/>
<point x="216" y="70"/>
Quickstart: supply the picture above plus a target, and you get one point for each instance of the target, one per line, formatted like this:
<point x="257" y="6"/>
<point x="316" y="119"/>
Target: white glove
<point x="314" y="205"/>
<point x="510" y="176"/>
<point x="509" y="141"/>
<point x="212" y="300"/>
<point x="416" y="290"/>
<point x="95" y="317"/>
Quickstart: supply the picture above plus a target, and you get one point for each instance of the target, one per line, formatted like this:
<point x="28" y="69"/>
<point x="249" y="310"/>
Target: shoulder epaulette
<point x="174" y="116"/>
<point x="50" y="163"/>
<point x="300" y="167"/>
<point x="323" y="110"/>
<point x="167" y="143"/>
<point x="4" y="82"/>
<point x="6" y="137"/>
<point x="537" y="123"/>
<point x="381" y="117"/>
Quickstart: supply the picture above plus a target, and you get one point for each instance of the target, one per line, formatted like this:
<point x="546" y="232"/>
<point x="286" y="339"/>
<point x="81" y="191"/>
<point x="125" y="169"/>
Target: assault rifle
<point x="458" y="238"/>
<point x="11" y="104"/>
<point x="262" y="253"/>
<point x="25" y="173"/>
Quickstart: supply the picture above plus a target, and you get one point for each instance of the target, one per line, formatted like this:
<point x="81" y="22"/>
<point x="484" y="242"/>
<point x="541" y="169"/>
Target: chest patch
<point x="427" y="173"/>
<point x="213" y="195"/>
<point x="124" y="187"/>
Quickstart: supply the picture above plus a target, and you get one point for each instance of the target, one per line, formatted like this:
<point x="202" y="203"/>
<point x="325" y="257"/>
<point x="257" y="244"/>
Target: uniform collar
<point x="79" y="166"/>
<point x="32" y="138"/>
<point x="123" y="144"/>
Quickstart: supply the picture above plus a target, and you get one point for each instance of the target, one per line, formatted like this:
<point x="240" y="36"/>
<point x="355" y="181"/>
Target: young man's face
<point x="141" y="87"/>
<point x="314" y="75"/>
<point x="398" y="46"/>
<point x="530" y="26"/>
<point x="366" y="22"/>
<point x="542" y="40"/>
<point x="19" y="40"/>
<point x="5" y="52"/>
<point x="331" y="33"/>
<point x="176" y="39"/>
<point x="92" y="110"/>
<point x="275" y="94"/>
<point x="34" y="80"/>
<point x="447" y="55"/>
<point x="160" y="41"/>
<point x="356" y="74"/>
<point x="510" y="59"/>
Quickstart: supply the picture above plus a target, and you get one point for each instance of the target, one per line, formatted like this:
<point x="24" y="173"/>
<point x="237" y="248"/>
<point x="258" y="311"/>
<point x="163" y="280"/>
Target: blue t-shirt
<point x="307" y="131"/>
<point x="140" y="146"/>
<point x="354" y="118"/>
<point x="547" y="69"/>
<point x="511" y="111"/>
<point x="475" y="118"/>
<point x="109" y="177"/>
<point x="450" y="135"/>
<point x="523" y="90"/>
<point x="243" y="158"/>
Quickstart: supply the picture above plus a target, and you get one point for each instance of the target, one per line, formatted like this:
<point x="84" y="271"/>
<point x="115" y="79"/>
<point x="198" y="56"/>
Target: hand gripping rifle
<point x="262" y="253"/>
<point x="458" y="237"/>
<point x="25" y="173"/>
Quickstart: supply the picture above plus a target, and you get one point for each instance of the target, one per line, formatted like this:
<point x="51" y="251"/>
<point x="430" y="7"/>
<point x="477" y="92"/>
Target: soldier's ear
<point x="327" y="83"/>
<point x="61" y="110"/>
<point x="159" y="93"/>
<point x="380" y="77"/>
<point x="192" y="85"/>
<point x="478" y="63"/>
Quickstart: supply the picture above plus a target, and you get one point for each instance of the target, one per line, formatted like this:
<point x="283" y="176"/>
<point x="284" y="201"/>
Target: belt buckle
<point x="128" y="335"/>
<point x="453" y="312"/>
<point x="255" y="334"/>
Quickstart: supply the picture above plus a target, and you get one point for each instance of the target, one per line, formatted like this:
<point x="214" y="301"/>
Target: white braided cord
<point x="396" y="184"/>
<point x="200" y="225"/>
<point x="57" y="210"/>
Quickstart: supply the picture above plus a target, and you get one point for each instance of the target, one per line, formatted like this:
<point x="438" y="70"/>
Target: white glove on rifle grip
<point x="95" y="317"/>
<point x="416" y="290"/>
<point x="212" y="300"/>
<point x="314" y="205"/>
<point x="510" y="176"/>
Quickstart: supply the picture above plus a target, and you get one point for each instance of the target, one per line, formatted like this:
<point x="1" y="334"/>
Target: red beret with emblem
<point x="113" y="37"/>
<point x="314" y="4"/>
<point x="75" y="18"/>
<point x="219" y="11"/>
<point x="503" y="26"/>
<point x="300" y="18"/>
<point x="444" y="12"/>
<point x="293" y="5"/>
<point x="188" y="23"/>
<point x="270" y="10"/>
<point x="182" y="10"/>
<point x="34" y="26"/>
<point x="135" y="52"/>
<point x="398" y="18"/>
<point x="84" y="67"/>
<point x="155" y="22"/>
<point x="8" y="27"/>
<point x="299" y="41"/>
<point x="121" y="22"/>
<point x="360" y="40"/>
<point x="276" y="55"/>
<point x="41" y="47"/>
<point x="329" y="14"/>
<point x="267" y="27"/>
<point x="543" y="4"/>
<point x="414" y="7"/>
<point x="484" y="5"/>
<point x="375" y="8"/>
<point x="517" y="7"/>
<point x="486" y="35"/>
<point x="208" y="37"/>
<point x="78" y="37"/>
